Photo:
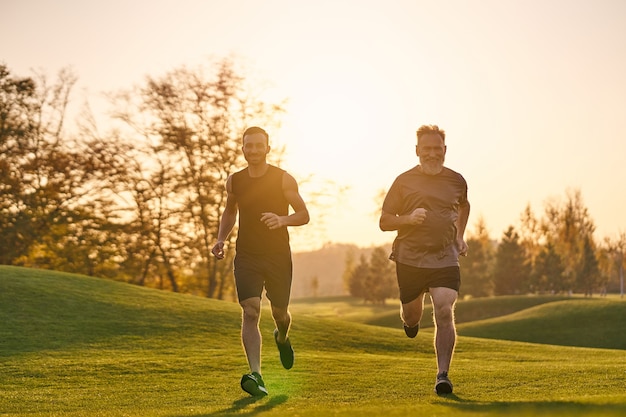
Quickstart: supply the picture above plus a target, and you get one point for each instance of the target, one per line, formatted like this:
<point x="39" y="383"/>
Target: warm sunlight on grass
<point x="78" y="346"/>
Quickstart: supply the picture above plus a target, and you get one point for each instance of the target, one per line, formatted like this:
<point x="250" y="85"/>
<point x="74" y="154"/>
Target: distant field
<point x="77" y="346"/>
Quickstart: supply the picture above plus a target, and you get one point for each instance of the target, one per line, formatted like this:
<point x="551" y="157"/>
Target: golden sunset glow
<point x="532" y="94"/>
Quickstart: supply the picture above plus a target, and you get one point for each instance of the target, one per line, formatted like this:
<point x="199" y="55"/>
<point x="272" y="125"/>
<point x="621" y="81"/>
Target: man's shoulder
<point x="410" y="172"/>
<point x="452" y="173"/>
<point x="275" y="169"/>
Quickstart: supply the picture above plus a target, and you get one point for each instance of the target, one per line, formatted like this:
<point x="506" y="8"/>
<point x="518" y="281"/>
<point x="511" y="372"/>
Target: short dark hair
<point x="253" y="130"/>
<point x="425" y="129"/>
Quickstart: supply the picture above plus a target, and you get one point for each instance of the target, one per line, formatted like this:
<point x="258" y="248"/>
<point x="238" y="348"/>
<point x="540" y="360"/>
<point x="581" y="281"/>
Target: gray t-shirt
<point x="431" y="244"/>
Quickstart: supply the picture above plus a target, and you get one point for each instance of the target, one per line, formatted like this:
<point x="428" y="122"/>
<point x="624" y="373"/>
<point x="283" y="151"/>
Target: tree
<point x="532" y="234"/>
<point x="357" y="279"/>
<point x="349" y="266"/>
<point x="373" y="279"/>
<point x="189" y="124"/>
<point x="615" y="259"/>
<point x="588" y="277"/>
<point x="511" y="269"/>
<point x="51" y="213"/>
<point x="380" y="281"/>
<point x="315" y="285"/>
<point x="20" y="150"/>
<point x="569" y="227"/>
<point x="548" y="271"/>
<point x="477" y="266"/>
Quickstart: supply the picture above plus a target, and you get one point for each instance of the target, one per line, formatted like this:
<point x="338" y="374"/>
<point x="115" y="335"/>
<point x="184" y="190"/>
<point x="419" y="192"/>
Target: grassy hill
<point x="558" y="320"/>
<point x="77" y="346"/>
<point x="599" y="323"/>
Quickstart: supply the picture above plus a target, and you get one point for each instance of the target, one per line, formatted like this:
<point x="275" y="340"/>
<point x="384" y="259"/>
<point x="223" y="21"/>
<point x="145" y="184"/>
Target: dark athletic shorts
<point x="414" y="281"/>
<point x="253" y="272"/>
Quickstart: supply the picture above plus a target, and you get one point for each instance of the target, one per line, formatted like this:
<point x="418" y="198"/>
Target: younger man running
<point x="261" y="194"/>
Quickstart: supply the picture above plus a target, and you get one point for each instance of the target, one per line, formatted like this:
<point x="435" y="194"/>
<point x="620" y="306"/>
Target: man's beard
<point x="432" y="167"/>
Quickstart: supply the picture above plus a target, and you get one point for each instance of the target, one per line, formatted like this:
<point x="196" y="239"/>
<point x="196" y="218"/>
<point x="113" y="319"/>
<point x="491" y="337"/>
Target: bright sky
<point x="531" y="93"/>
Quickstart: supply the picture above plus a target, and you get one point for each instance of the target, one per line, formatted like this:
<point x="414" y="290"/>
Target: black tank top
<point x="256" y="195"/>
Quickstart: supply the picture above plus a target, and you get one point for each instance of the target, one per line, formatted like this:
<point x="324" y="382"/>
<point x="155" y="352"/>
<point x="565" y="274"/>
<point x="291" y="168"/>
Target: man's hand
<point x="272" y="221"/>
<point x="460" y="243"/>
<point x="218" y="250"/>
<point x="417" y="216"/>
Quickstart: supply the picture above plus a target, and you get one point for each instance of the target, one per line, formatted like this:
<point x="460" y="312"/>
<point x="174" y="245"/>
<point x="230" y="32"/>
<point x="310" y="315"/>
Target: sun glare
<point x="332" y="124"/>
<point x="332" y="134"/>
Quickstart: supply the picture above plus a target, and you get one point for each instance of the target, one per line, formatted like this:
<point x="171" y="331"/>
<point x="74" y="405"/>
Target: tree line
<point x="141" y="201"/>
<point x="554" y="253"/>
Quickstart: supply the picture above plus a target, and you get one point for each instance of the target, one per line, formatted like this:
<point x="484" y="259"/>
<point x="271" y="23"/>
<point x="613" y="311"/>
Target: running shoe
<point x="411" y="331"/>
<point x="253" y="384"/>
<point x="443" y="384"/>
<point x="285" y="350"/>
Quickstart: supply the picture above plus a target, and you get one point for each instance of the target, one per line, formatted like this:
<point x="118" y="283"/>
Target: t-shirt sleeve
<point x="393" y="200"/>
<point x="463" y="198"/>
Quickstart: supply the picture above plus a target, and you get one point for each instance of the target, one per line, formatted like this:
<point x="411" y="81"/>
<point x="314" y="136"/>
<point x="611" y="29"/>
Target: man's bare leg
<point x="250" y="333"/>
<point x="444" y="300"/>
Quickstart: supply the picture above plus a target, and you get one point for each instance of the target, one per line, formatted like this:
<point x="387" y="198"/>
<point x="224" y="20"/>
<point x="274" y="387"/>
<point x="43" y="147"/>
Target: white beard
<point x="431" y="167"/>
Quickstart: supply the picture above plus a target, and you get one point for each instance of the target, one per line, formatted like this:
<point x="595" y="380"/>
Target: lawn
<point x="77" y="346"/>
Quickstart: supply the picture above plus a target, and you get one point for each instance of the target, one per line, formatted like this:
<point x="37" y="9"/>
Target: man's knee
<point x="281" y="314"/>
<point x="251" y="309"/>
<point x="444" y="315"/>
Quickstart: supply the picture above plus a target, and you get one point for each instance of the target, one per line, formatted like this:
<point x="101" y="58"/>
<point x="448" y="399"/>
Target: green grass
<point x="77" y="346"/>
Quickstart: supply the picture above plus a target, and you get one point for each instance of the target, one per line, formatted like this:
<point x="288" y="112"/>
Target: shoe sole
<point x="443" y="388"/>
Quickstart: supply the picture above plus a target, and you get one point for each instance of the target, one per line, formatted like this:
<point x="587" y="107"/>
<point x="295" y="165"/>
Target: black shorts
<point x="253" y="272"/>
<point x="413" y="281"/>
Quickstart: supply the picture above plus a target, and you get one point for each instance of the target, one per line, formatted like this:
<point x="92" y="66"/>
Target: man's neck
<point x="257" y="170"/>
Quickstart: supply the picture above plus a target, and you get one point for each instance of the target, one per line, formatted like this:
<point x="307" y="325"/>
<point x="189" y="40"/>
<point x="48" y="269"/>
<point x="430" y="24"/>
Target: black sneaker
<point x="443" y="384"/>
<point x="411" y="331"/>
<point x="285" y="350"/>
<point x="253" y="384"/>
